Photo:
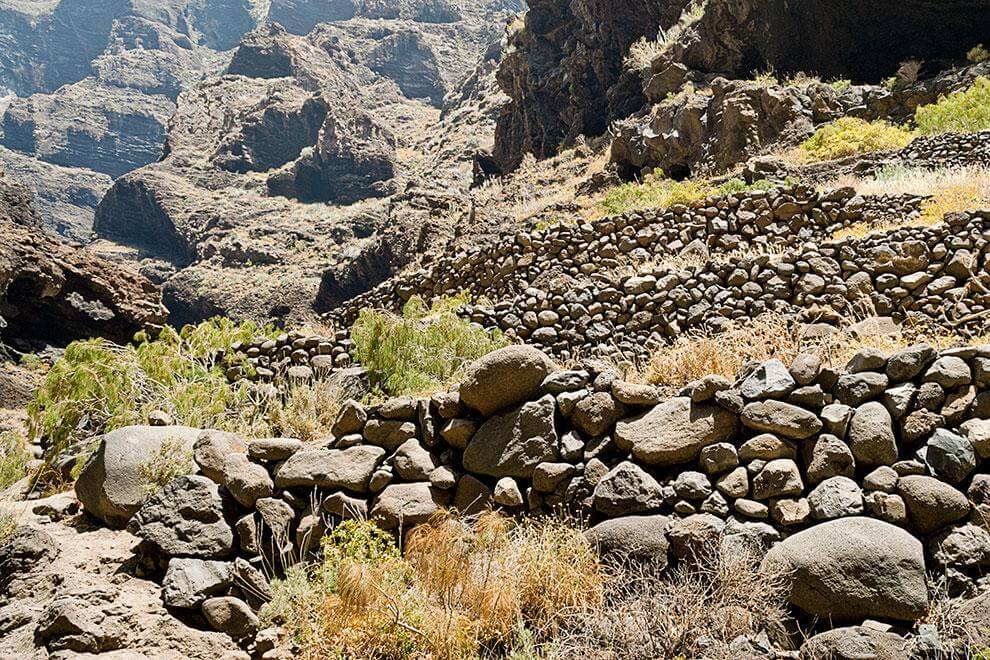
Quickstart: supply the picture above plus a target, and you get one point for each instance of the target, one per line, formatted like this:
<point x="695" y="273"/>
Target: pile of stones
<point x="858" y="480"/>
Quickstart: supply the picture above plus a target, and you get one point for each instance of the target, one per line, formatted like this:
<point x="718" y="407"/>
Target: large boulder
<point x="852" y="569"/>
<point x="405" y="505"/>
<point x="349" y="468"/>
<point x="633" y="538"/>
<point x="111" y="485"/>
<point x="186" y="519"/>
<point x="505" y="378"/>
<point x="855" y="643"/>
<point x="676" y="431"/>
<point x="513" y="444"/>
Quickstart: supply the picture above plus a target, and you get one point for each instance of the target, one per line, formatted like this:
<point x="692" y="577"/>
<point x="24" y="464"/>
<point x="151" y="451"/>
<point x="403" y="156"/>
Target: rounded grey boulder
<point x="853" y="569"/>
<point x="111" y="486"/>
<point x="505" y="378"/>
<point x="634" y="538"/>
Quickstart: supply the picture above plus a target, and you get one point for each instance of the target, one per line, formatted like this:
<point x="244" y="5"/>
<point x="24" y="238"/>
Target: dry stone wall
<point x="894" y="446"/>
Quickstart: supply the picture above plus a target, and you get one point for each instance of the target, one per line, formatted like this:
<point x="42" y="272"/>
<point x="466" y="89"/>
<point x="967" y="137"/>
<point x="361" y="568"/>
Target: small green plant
<point x="98" y="386"/>
<point x="840" y="85"/>
<point x="890" y="84"/>
<point x="736" y="185"/>
<point x="173" y="459"/>
<point x="767" y="77"/>
<point x="359" y="540"/>
<point x="978" y="54"/>
<point x="655" y="192"/>
<point x="422" y="350"/>
<point x="14" y="458"/>
<point x="8" y="525"/>
<point x="850" y="136"/>
<point x="966" y="111"/>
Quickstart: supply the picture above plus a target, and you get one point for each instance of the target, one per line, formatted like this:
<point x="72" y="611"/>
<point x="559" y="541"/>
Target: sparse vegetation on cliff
<point x="966" y="111"/>
<point x="655" y="191"/>
<point x="850" y="136"/>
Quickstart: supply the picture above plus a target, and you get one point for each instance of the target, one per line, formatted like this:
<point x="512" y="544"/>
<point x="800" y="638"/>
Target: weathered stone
<point x="886" y="506"/>
<point x="854" y="389"/>
<point x="949" y="372"/>
<point x="855" y="643"/>
<point x="977" y="431"/>
<point x="949" y="456"/>
<point x="458" y="432"/>
<point x="507" y="493"/>
<point x="735" y="483"/>
<point x="931" y="504"/>
<point x="112" y="485"/>
<point x="691" y="485"/>
<point x="766" y="447"/>
<point x="412" y="462"/>
<point x="871" y="436"/>
<point x="185" y="519"/>
<point x="245" y="480"/>
<point x="836" y="497"/>
<point x="805" y="368"/>
<point x="505" y="378"/>
<point x="330" y="468"/>
<point x="188" y="582"/>
<point x="273" y="449"/>
<point x="635" y="394"/>
<point x="389" y="433"/>
<point x="827" y="456"/>
<point x="883" y="478"/>
<point x="790" y="512"/>
<point x="351" y="419"/>
<point x="471" y="496"/>
<point x="211" y="449"/>
<point x="627" y="489"/>
<point x="836" y="417"/>
<point x="230" y="615"/>
<point x="867" y="359"/>
<point x="770" y="380"/>
<point x="548" y="476"/>
<point x="778" y="478"/>
<point x="907" y="363"/>
<point x="718" y="458"/>
<point x="675" y="431"/>
<point x="634" y="538"/>
<point x="514" y="443"/>
<point x="595" y="414"/>
<point x="696" y="534"/>
<point x="782" y="419"/>
<point x="965" y="546"/>
<point x="853" y="568"/>
<point x="406" y="505"/>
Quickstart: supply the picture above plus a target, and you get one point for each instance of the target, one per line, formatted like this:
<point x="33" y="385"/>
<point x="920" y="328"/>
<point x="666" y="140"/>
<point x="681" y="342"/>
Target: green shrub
<point x="978" y="54"/>
<point x="98" y="386"/>
<point x="850" y="136"/>
<point x="840" y="85"/>
<point x="422" y="350"/>
<point x="14" y="458"/>
<point x="966" y="111"/>
<point x="736" y="185"/>
<point x="655" y="192"/>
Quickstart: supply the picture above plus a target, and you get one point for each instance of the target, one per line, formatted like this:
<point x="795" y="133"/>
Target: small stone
<point x="230" y="615"/>
<point x="718" y="458"/>
<point x="931" y="504"/>
<point x="837" y="497"/>
<point x="827" y="456"/>
<point x="949" y="372"/>
<point x="883" y="478"/>
<point x="188" y="582"/>
<point x="871" y="436"/>
<point x="905" y="364"/>
<point x="766" y="447"/>
<point x="507" y="493"/>
<point x="735" y="483"/>
<point x="790" y="512"/>
<point x="781" y="418"/>
<point x="854" y="389"/>
<point x="886" y="506"/>
<point x="950" y="456"/>
<point x="867" y="359"/>
<point x="836" y="417"/>
<point x="751" y="509"/>
<point x="778" y="478"/>
<point x="805" y="368"/>
<point x="692" y="486"/>
<point x="770" y="380"/>
<point x="273" y="449"/>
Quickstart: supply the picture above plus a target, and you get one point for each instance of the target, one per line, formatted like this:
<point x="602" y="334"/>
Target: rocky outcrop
<point x="54" y="293"/>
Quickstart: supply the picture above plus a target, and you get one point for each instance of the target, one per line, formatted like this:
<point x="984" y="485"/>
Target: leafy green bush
<point x="14" y="457"/>
<point x="655" y="192"/>
<point x="422" y="350"/>
<point x="736" y="185"/>
<point x="98" y="386"/>
<point x="850" y="136"/>
<point x="966" y="111"/>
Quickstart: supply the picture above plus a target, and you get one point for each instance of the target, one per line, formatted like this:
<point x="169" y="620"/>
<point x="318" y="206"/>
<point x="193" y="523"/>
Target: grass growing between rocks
<point x="14" y="458"/>
<point x="698" y="354"/>
<point x="422" y="350"/>
<point x="949" y="190"/>
<point x="693" y="610"/>
<point x="459" y="589"/>
<point x="98" y="386"/>
<point x="654" y="192"/>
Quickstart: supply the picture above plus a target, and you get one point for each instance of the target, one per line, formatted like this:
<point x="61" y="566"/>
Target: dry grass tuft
<point x="307" y="411"/>
<point x="694" y="610"/>
<point x="463" y="589"/>
<point x="695" y="355"/>
<point x="949" y="190"/>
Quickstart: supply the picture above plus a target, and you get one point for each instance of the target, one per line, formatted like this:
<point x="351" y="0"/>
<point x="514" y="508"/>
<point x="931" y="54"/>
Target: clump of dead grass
<point x="693" y="610"/>
<point x="462" y="589"/>
<point x="771" y="335"/>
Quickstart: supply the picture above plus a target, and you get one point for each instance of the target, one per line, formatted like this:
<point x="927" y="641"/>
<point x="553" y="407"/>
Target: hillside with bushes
<point x="470" y="330"/>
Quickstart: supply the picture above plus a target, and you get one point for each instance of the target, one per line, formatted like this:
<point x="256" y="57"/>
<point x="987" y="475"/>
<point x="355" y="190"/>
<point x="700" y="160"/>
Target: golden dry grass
<point x="463" y="588"/>
<point x="695" y="355"/>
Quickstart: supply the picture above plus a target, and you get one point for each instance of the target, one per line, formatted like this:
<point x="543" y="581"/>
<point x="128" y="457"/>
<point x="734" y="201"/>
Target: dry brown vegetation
<point x="698" y="354"/>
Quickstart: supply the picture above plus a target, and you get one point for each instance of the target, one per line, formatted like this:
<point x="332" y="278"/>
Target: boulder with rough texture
<point x="230" y="615"/>
<point x="514" y="443"/>
<point x="245" y="480"/>
<point x="349" y="468"/>
<point x="871" y="436"/>
<point x="211" y="450"/>
<point x="635" y="538"/>
<point x="188" y="582"/>
<point x="186" y="519"/>
<point x="784" y="419"/>
<point x="111" y="486"/>
<point x="853" y="568"/>
<point x="627" y="489"/>
<point x="505" y="378"/>
<point x="676" y="431"/>
<point x="405" y="505"/>
<point x="855" y="643"/>
<point x="931" y="504"/>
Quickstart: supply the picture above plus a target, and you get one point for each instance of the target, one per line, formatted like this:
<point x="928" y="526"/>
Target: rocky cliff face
<point x="566" y="76"/>
<point x="51" y="293"/>
<point x="313" y="168"/>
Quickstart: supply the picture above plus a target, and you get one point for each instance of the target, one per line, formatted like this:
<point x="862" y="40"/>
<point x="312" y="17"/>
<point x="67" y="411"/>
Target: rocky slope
<point x="311" y="155"/>
<point x="566" y="77"/>
<point x="52" y="293"/>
